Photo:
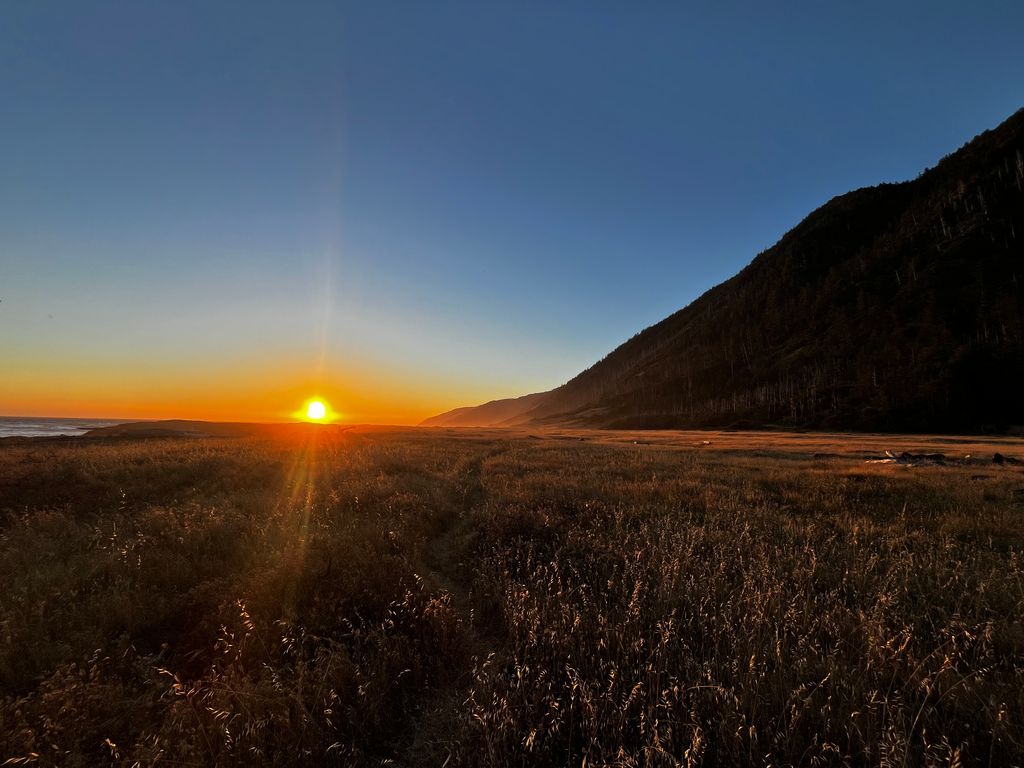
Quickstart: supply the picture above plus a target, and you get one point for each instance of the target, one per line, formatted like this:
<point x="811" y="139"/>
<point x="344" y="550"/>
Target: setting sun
<point x="318" y="410"/>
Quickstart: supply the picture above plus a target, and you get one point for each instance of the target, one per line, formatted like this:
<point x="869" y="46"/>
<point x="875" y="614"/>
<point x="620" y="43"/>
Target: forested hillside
<point x="897" y="307"/>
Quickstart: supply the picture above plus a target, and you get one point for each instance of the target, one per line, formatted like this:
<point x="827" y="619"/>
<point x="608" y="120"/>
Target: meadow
<point x="488" y="598"/>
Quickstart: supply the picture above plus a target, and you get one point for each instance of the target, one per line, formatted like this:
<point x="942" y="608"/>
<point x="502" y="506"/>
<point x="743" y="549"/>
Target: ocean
<point x="27" y="426"/>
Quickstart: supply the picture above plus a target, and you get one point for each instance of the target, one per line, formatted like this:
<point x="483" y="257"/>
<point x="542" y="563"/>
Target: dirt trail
<point x="445" y="560"/>
<point x="447" y="571"/>
<point x="447" y="568"/>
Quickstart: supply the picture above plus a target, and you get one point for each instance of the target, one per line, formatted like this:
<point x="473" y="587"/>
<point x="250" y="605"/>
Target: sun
<point x="317" y="410"/>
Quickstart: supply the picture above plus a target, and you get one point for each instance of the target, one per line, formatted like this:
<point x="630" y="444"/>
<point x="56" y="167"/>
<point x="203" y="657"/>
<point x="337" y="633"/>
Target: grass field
<point x="488" y="598"/>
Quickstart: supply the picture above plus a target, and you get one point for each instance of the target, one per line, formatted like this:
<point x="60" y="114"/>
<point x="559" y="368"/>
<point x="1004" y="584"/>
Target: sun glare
<point x="318" y="410"/>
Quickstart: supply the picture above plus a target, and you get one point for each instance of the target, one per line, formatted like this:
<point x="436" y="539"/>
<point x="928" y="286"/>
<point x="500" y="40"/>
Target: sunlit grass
<point x="361" y="597"/>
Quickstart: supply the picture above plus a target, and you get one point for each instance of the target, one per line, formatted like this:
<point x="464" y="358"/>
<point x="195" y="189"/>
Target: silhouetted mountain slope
<point x="491" y="414"/>
<point x="897" y="307"/>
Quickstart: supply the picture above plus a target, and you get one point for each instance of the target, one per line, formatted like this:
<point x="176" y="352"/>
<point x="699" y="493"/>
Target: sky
<point x="217" y="210"/>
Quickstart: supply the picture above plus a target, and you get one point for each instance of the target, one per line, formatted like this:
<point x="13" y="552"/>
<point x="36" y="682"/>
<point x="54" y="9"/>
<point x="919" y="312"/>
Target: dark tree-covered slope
<point x="897" y="307"/>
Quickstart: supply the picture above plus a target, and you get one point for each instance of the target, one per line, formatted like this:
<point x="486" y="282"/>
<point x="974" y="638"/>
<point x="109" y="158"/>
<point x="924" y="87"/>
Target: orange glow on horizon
<point x="109" y="387"/>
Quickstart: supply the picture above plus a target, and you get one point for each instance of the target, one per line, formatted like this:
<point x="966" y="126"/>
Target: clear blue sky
<point x="479" y="199"/>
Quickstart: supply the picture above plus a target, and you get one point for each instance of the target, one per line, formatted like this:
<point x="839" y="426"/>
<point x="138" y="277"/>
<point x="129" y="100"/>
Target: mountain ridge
<point x="893" y="307"/>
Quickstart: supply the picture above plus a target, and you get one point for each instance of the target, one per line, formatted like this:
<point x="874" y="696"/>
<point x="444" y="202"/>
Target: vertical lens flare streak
<point x="297" y="498"/>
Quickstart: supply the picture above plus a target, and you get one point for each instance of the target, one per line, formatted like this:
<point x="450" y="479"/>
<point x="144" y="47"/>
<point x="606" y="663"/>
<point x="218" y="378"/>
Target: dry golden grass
<point x="489" y="598"/>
